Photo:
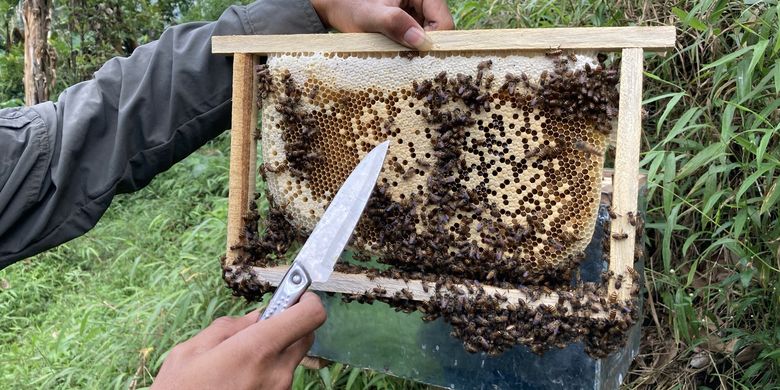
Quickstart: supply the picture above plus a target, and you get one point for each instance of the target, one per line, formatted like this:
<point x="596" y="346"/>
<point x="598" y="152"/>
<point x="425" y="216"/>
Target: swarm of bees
<point x="495" y="182"/>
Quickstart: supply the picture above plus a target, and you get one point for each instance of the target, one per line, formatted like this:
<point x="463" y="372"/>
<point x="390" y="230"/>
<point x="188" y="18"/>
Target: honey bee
<point x="612" y="214"/>
<point x="585" y="147"/>
<point x="568" y="237"/>
<point x="619" y="281"/>
<point x="441" y="78"/>
<point x="619" y="236"/>
<point x="543" y="77"/>
<point x="631" y="218"/>
<point x="410" y="55"/>
<point x="487" y="64"/>
<point x="554" y="52"/>
<point x="548" y="152"/>
<point x="511" y="83"/>
<point x="408" y="174"/>
<point x="274" y="167"/>
<point x="489" y="81"/>
<point x="398" y="168"/>
<point x="632" y="272"/>
<point x="533" y="151"/>
<point x="555" y="244"/>
<point x="313" y="92"/>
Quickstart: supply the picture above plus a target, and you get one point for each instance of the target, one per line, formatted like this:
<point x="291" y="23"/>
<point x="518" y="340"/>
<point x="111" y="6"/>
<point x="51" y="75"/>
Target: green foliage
<point x="11" y="59"/>
<point x="11" y="73"/>
<point x="87" y="33"/>
<point x="102" y="310"/>
<point x="208" y="10"/>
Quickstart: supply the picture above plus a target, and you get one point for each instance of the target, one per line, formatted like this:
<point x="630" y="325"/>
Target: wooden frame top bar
<point x="657" y="39"/>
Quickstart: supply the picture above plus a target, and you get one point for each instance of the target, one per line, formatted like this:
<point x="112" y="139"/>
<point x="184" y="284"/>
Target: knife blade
<point x="317" y="257"/>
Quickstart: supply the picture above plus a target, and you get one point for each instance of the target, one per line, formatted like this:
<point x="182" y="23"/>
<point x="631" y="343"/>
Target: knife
<point x="318" y="256"/>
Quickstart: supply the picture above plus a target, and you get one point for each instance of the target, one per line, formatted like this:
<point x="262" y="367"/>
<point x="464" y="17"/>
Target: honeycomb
<point x="481" y="179"/>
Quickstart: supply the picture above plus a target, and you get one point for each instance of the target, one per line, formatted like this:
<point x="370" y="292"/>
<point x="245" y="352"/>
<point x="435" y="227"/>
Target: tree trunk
<point x="39" y="57"/>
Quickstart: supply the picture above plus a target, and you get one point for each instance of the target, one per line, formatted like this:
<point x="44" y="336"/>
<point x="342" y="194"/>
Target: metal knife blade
<point x="316" y="259"/>
<point x="320" y="252"/>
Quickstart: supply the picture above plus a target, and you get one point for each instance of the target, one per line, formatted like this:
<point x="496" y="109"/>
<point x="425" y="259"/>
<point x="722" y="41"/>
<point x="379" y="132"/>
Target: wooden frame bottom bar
<point x="345" y="283"/>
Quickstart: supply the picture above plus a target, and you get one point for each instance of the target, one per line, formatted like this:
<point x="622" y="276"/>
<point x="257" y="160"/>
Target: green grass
<point x="102" y="310"/>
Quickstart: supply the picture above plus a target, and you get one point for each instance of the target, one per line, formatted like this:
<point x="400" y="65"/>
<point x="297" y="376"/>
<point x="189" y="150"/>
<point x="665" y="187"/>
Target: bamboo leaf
<point x="754" y="369"/>
<point x="710" y="203"/>
<point x="666" y="251"/>
<point x="727" y="58"/>
<point x="776" y="70"/>
<point x="739" y="223"/>
<point x="762" y="145"/>
<point x="771" y="198"/>
<point x="758" y="55"/>
<point x="690" y="241"/>
<point x="326" y="378"/>
<point x="704" y="157"/>
<point x="670" y="171"/>
<point x="745" y="277"/>
<point x="353" y="374"/>
<point x="670" y="105"/>
<point x="688" y="19"/>
<point x="683" y="124"/>
<point x="750" y="181"/>
<point x="726" y="120"/>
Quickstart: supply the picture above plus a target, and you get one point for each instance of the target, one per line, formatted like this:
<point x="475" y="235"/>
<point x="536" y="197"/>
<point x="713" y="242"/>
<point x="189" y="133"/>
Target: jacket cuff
<point x="281" y="17"/>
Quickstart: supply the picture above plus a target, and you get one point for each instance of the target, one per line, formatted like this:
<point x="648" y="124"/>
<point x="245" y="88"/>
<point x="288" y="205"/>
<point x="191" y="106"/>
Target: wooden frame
<point x="631" y="41"/>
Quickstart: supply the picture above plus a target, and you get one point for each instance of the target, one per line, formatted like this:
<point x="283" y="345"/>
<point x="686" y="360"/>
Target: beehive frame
<point x="632" y="42"/>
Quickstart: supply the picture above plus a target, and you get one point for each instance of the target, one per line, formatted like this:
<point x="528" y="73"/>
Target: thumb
<point x="400" y="27"/>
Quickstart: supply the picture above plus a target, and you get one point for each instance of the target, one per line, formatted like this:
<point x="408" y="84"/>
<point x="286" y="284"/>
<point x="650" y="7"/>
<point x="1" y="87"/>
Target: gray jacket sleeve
<point x="62" y="163"/>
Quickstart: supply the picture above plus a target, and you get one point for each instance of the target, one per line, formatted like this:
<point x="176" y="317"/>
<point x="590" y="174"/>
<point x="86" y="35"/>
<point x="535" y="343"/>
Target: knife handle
<point x="293" y="285"/>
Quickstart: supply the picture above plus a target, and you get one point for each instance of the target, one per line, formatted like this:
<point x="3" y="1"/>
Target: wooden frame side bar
<point x="626" y="187"/>
<point x="243" y="150"/>
<point x="659" y="38"/>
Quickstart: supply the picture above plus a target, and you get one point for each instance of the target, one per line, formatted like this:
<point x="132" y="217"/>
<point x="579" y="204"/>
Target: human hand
<point x="240" y="353"/>
<point x="401" y="20"/>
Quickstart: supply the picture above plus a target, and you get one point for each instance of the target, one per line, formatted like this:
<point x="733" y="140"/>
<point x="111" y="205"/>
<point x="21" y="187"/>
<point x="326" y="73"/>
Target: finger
<point x="399" y="26"/>
<point x="292" y="356"/>
<point x="280" y="331"/>
<point x="220" y="330"/>
<point x="437" y="15"/>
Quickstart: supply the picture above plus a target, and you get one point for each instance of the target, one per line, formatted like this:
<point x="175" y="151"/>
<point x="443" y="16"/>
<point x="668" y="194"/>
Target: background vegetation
<point x="102" y="310"/>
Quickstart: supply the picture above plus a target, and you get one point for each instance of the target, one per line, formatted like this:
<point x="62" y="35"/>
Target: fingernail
<point x="416" y="38"/>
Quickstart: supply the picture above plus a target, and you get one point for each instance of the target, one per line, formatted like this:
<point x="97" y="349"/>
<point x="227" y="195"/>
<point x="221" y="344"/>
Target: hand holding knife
<point x="318" y="256"/>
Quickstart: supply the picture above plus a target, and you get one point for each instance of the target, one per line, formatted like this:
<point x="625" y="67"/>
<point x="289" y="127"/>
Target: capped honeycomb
<point x="494" y="167"/>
